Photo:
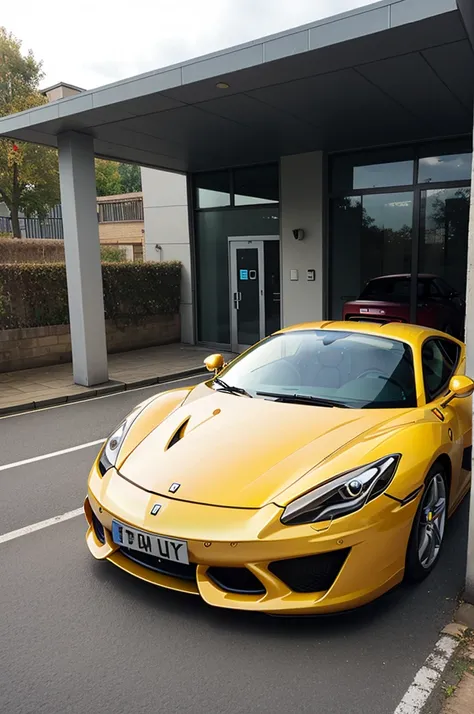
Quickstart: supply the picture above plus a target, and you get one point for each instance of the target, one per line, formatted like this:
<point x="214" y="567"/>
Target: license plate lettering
<point x="142" y="542"/>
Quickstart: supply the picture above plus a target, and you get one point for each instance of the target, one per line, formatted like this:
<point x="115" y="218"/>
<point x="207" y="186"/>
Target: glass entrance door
<point x="255" y="291"/>
<point x="247" y="288"/>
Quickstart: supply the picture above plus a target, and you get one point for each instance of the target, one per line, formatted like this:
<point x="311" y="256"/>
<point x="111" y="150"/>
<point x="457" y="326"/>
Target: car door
<point x="440" y="361"/>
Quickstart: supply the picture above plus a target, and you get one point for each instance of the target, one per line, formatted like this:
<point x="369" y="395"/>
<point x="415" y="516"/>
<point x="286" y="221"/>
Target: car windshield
<point x="395" y="289"/>
<point x="326" y="367"/>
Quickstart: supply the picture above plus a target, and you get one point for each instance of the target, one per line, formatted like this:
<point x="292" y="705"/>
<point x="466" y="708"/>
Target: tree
<point x="113" y="178"/>
<point x="29" y="177"/>
<point x="107" y="178"/>
<point x="130" y="177"/>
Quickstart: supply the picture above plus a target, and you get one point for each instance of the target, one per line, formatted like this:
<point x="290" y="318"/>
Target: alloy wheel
<point x="432" y="522"/>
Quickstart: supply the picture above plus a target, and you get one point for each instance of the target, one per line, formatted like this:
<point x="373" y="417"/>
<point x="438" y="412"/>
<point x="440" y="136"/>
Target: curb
<point x="112" y="387"/>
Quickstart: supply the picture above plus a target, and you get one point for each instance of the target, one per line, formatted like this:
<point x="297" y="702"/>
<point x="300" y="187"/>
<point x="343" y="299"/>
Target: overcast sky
<point x="91" y="43"/>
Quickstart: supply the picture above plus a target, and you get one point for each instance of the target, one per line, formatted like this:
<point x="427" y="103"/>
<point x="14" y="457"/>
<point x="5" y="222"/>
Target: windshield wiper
<point x="224" y="387"/>
<point x="304" y="399"/>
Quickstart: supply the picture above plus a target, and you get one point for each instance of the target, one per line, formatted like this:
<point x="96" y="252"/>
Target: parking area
<point x="79" y="635"/>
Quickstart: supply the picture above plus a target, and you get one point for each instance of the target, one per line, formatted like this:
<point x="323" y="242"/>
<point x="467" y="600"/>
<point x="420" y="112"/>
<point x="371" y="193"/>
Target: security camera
<point x="298" y="234"/>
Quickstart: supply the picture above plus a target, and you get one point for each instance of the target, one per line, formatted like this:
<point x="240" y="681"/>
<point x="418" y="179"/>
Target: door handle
<point x="237" y="299"/>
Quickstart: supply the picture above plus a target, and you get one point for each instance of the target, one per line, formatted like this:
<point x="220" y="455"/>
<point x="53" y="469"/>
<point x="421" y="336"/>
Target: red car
<point x="387" y="299"/>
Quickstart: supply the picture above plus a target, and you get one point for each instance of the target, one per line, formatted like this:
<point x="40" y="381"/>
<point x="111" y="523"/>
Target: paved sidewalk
<point x="45" y="386"/>
<point x="460" y="692"/>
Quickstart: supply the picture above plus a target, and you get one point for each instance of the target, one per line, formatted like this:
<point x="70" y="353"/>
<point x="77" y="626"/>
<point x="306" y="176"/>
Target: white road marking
<point x="5" y="467"/>
<point x="39" y="526"/>
<point x="104" y="396"/>
<point x="428" y="676"/>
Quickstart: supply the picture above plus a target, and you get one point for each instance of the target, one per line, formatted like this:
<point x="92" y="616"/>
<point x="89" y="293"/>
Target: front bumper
<point x="246" y="559"/>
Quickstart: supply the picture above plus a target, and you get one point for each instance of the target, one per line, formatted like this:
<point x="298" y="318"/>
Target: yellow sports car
<point x="310" y="475"/>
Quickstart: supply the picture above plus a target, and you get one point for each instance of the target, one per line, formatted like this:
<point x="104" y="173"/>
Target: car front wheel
<point x="427" y="535"/>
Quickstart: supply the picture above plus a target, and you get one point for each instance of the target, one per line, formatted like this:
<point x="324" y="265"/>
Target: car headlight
<point x="343" y="494"/>
<point x="111" y="449"/>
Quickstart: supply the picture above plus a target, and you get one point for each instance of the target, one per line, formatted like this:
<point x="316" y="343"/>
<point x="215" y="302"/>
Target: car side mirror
<point x="460" y="387"/>
<point x="214" y="363"/>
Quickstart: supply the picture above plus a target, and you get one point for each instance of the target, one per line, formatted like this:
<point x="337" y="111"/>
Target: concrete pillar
<point x="301" y="206"/>
<point x="82" y="250"/>
<point x="469" y="594"/>
<point x="167" y="235"/>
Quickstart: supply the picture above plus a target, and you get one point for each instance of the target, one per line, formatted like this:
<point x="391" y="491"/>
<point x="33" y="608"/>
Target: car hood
<point x="228" y="450"/>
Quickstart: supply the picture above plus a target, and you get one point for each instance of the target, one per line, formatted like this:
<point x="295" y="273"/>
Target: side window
<point x="434" y="291"/>
<point x="445" y="289"/>
<point x="440" y="358"/>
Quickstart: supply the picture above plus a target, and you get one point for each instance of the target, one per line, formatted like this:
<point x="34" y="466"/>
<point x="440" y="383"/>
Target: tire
<point x="429" y="525"/>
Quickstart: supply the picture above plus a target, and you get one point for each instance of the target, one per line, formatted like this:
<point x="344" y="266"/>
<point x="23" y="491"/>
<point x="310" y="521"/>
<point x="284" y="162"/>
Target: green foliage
<point x="449" y="690"/>
<point x="130" y="178"/>
<point x="107" y="178"/>
<point x="33" y="295"/>
<point x="112" y="254"/>
<point x="29" y="177"/>
<point x="112" y="178"/>
<point x="19" y="75"/>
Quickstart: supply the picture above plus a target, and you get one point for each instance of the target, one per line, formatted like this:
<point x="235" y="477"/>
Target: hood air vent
<point x="178" y="435"/>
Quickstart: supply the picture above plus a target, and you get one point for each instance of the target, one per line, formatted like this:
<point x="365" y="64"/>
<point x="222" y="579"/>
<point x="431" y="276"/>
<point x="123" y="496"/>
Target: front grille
<point x="98" y="528"/>
<point x="236" y="580"/>
<point x="159" y="565"/>
<point x="312" y="573"/>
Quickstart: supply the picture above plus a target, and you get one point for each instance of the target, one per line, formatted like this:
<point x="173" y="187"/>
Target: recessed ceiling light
<point x="222" y="85"/>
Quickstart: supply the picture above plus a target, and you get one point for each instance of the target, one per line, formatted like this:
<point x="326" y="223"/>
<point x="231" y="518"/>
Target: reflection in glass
<point x="371" y="236"/>
<point x="454" y="167"/>
<point x="444" y="234"/>
<point x="399" y="173"/>
<point x="372" y="169"/>
<point x="271" y="252"/>
<point x="258" y="184"/>
<point x="213" y="189"/>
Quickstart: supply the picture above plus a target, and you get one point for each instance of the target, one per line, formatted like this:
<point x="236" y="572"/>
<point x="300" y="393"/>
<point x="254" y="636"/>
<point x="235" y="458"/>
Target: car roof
<point x="411" y="334"/>
<point x="424" y="276"/>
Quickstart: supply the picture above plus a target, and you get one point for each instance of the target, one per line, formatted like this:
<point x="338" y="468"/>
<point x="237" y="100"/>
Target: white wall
<point x="165" y="205"/>
<point x="301" y="206"/>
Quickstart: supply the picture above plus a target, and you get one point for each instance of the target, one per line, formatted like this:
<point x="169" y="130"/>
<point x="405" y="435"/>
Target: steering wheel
<point x="379" y="373"/>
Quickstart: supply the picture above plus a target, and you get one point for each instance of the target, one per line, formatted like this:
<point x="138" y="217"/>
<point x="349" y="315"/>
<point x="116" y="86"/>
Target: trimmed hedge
<point x="34" y="295"/>
<point x="31" y="250"/>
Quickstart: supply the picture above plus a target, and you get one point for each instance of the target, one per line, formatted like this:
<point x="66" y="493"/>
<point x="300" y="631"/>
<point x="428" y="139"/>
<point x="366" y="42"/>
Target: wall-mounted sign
<point x="244" y="274"/>
<point x="252" y="274"/>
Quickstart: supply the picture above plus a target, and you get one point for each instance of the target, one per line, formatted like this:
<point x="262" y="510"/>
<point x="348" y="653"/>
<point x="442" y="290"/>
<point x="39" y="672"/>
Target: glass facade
<point x="251" y="209"/>
<point x="385" y="220"/>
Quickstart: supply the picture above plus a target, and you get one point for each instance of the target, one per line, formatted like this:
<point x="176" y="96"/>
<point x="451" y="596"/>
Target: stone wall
<point x="40" y="346"/>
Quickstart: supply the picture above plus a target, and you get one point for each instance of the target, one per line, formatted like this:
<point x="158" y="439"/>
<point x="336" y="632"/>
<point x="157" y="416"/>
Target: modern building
<point x="292" y="169"/>
<point x="355" y="136"/>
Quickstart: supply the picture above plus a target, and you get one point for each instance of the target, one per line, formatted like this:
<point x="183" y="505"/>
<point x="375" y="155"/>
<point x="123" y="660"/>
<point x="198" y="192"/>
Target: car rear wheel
<point x="427" y="535"/>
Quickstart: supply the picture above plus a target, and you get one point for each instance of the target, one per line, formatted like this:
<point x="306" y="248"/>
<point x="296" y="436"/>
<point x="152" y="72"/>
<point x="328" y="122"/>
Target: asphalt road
<point x="77" y="635"/>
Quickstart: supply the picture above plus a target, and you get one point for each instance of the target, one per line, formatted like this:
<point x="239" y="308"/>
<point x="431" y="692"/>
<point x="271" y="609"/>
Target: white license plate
<point x="142" y="542"/>
<point x="371" y="311"/>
